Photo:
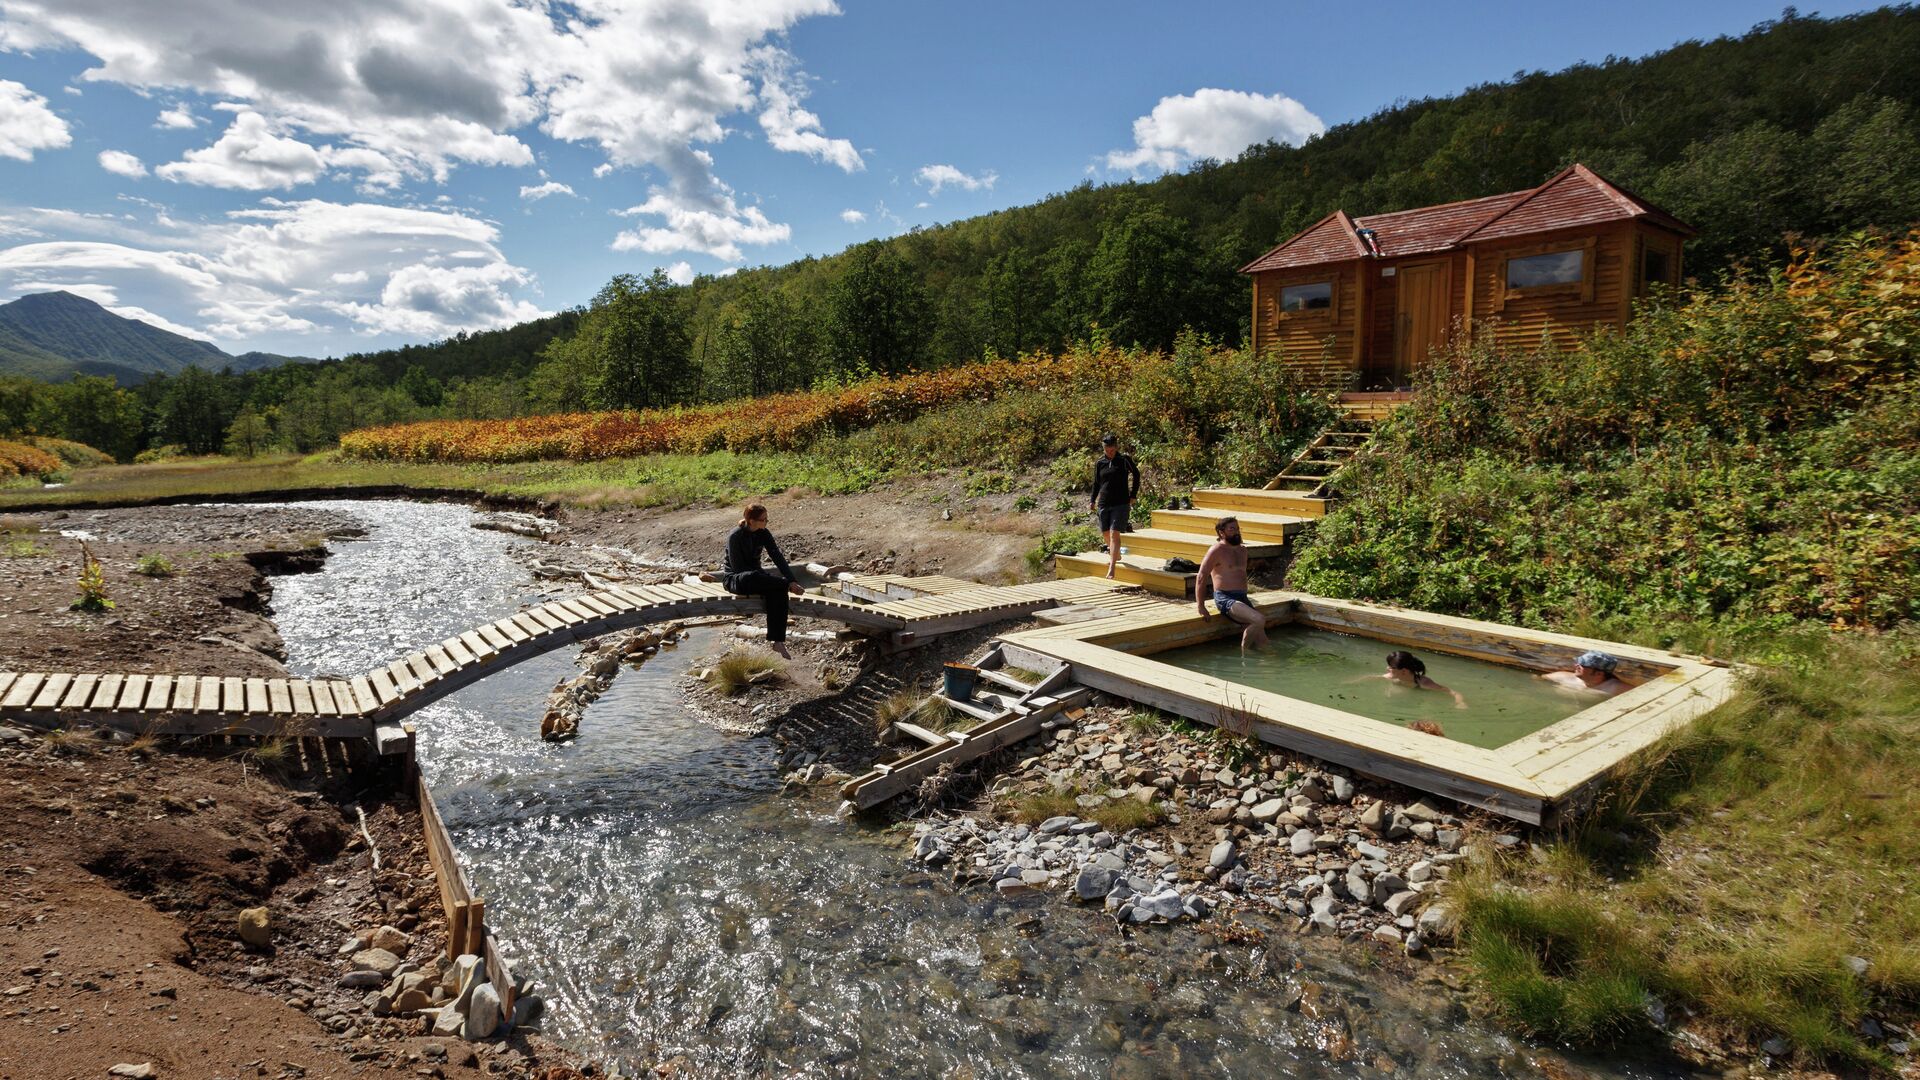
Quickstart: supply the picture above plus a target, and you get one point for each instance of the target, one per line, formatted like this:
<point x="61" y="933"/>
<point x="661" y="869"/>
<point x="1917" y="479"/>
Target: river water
<point x="671" y="903"/>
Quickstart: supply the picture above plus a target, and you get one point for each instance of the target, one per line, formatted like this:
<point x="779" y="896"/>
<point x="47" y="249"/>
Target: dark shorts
<point x="1224" y="599"/>
<point x="1114" y="518"/>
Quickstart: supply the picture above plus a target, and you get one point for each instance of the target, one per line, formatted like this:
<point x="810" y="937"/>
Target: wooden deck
<point x="1548" y="773"/>
<point x="355" y="707"/>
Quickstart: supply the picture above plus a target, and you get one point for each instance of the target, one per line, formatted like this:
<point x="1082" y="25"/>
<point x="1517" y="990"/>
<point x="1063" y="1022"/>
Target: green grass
<point x="156" y="566"/>
<point x="734" y="672"/>
<point x="1734" y="870"/>
<point x="667" y="480"/>
<point x="914" y="707"/>
<point x="1117" y="816"/>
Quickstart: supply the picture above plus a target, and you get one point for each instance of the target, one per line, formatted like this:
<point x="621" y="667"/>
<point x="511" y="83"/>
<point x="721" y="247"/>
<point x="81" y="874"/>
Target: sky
<point x="319" y="179"/>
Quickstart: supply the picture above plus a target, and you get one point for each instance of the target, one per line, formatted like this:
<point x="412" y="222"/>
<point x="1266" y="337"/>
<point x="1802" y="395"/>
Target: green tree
<point x="194" y="412"/>
<point x="877" y="312"/>
<point x="632" y="349"/>
<point x="1866" y="166"/>
<point x="94" y="410"/>
<point x="423" y="388"/>
<point x="1009" y="306"/>
<point x="1145" y="274"/>
<point x="247" y="436"/>
<point x="766" y="343"/>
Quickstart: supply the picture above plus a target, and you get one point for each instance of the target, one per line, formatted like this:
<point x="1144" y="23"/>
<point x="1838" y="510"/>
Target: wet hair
<point x="752" y="512"/>
<point x="1220" y="527"/>
<point x="1406" y="661"/>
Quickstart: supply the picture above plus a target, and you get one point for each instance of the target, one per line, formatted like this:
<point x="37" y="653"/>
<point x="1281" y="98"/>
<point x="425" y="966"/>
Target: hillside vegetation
<point x="1801" y="127"/>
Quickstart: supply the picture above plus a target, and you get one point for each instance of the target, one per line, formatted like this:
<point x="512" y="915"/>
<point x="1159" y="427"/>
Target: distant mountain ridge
<point x="57" y="335"/>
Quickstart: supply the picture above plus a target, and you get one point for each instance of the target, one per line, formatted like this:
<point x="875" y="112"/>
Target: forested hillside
<point x="1801" y="129"/>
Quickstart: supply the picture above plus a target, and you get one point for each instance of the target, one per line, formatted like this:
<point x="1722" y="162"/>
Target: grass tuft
<point x="734" y="672"/>
<point x="154" y="566"/>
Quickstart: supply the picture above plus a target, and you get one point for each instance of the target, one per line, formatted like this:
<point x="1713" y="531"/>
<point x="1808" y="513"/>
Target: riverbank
<point x="131" y="860"/>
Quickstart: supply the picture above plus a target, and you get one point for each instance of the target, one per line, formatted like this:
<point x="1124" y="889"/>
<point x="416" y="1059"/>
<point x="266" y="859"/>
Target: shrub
<point x="93" y="584"/>
<point x="157" y="454"/>
<point x="156" y="566"/>
<point x="739" y="668"/>
<point x="72" y="454"/>
<point x="20" y="461"/>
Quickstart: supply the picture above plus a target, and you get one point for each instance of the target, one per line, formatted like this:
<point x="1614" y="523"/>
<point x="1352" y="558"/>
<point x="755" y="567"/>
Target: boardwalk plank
<point x="79" y="692"/>
<point x="23" y="691"/>
<point x="529" y="625"/>
<point x="479" y="646"/>
<point x="233" y="694"/>
<point x="159" y="693"/>
<point x="383" y="685"/>
<point x="551" y="617"/>
<point x="133" y="693"/>
<point x="511" y="629"/>
<point x="106" y="693"/>
<point x="365" y="697"/>
<point x="323" y="700"/>
<point x="279" y="697"/>
<point x="422" y="669"/>
<point x="402" y="679"/>
<point x="301" y="692"/>
<point x="458" y="652"/>
<point x="254" y="693"/>
<point x="52" y="691"/>
<point x="6" y="679"/>
<point x="606" y="602"/>
<point x="442" y="661"/>
<point x="208" y="694"/>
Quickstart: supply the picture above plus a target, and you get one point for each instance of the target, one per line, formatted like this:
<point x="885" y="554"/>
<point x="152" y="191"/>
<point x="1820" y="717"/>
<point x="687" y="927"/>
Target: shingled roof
<point x="1575" y="197"/>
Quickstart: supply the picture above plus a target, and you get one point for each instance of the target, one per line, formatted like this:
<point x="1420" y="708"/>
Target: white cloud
<point x="601" y="170"/>
<point x="289" y="268"/>
<point x="551" y="187"/>
<point x="107" y="297"/>
<point x="936" y="177"/>
<point x="853" y="217"/>
<point x="180" y="116"/>
<point x="680" y="273"/>
<point x="410" y="89"/>
<point x="790" y="127"/>
<point x="121" y="163"/>
<point x="715" y="226"/>
<point x="1212" y="123"/>
<point x="26" y="124"/>
<point x="249" y="157"/>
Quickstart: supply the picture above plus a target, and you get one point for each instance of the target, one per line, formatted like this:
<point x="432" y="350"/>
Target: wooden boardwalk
<point x="355" y="707"/>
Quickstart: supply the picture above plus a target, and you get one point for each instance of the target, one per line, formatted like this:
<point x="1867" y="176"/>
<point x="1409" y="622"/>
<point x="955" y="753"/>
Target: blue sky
<point x="321" y="179"/>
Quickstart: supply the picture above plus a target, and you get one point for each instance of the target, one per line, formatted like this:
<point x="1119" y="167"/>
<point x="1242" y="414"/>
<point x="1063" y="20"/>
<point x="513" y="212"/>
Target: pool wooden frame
<point x="1537" y="778"/>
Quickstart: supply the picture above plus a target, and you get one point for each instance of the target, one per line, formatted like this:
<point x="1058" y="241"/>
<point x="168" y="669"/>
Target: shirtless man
<point x="1592" y="671"/>
<point x="1224" y="572"/>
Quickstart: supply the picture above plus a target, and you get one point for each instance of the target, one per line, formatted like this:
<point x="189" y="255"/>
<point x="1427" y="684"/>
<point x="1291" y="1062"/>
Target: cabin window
<point x="1317" y="296"/>
<point x="1549" y="269"/>
<point x="1656" y="268"/>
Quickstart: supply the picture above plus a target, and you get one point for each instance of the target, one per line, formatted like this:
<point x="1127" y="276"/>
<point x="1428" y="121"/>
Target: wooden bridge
<point x="370" y="705"/>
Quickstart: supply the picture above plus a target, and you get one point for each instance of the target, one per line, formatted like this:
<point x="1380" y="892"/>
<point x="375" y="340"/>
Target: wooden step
<point x="1166" y="543"/>
<point x="1253" y="526"/>
<point x="1258" y="500"/>
<point x="1134" y="569"/>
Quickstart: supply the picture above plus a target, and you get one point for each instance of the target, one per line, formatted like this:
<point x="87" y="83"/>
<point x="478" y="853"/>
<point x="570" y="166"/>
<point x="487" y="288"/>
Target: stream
<point x="671" y="903"/>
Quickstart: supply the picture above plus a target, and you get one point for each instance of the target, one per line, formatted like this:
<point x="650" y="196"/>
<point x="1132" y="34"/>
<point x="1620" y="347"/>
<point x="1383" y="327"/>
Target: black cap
<point x="1109" y="439"/>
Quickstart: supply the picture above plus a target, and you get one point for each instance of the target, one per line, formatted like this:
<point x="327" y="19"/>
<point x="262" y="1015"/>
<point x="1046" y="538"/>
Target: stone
<point x="1374" y="818"/>
<point x="1399" y="902"/>
<point x="1436" y="923"/>
<point x="411" y="1001"/>
<point x="448" y="1021"/>
<point x="1012" y="886"/>
<point x="466" y="970"/>
<point x="1424" y="830"/>
<point x="1269" y="810"/>
<point x="1302" y="842"/>
<point x="1059" y="824"/>
<point x="483" y="1013"/>
<point x="1424" y="810"/>
<point x="1415" y="943"/>
<point x="1387" y="933"/>
<point x="1859" y="966"/>
<point x="362" y="980"/>
<point x="1035" y="877"/>
<point x="1167" y="905"/>
<point x="1775" y="1047"/>
<point x="1222" y="855"/>
<point x="1342" y="788"/>
<point x="391" y="940"/>
<point x="1448" y="839"/>
<point x="1420" y="871"/>
<point x="1386" y="885"/>
<point x="1094" y="883"/>
<point x="1370" y="851"/>
<point x="527" y="1009"/>
<point x="144" y="1071"/>
<point x="256" y="929"/>
<point x="376" y="960"/>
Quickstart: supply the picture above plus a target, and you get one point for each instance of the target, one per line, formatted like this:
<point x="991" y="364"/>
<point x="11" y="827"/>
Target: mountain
<point x="56" y="335"/>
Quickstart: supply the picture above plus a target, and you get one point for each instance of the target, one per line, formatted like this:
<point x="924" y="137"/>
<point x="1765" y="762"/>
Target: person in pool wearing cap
<point x="1592" y="672"/>
<point x="1116" y="480"/>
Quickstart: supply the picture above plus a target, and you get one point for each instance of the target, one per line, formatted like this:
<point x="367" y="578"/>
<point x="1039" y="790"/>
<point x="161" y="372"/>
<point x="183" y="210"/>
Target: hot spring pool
<point x="1342" y="671"/>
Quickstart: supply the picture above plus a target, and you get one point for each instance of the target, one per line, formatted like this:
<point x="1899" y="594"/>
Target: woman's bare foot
<point x="780" y="649"/>
<point x="1109" y="570"/>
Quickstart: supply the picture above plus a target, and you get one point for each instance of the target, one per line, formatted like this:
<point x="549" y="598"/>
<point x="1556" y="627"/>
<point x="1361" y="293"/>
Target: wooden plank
<point x="417" y="666"/>
<point x="383" y="686"/>
<point x="456" y="651"/>
<point x="1570" y="779"/>
<point x="530" y="626"/>
<point x="1526" y="752"/>
<point x="207" y="694"/>
<point x="873" y="789"/>
<point x="496" y="639"/>
<point x="365" y="697"/>
<point x="158" y="691"/>
<point x="1538" y="758"/>
<point x="253" y="697"/>
<point x="106" y="692"/>
<point x="300" y="695"/>
<point x="391" y="738"/>
<point x="596" y="604"/>
<point x="133" y="692"/>
<point x="550" y="617"/>
<point x="23" y="691"/>
<point x="279" y="697"/>
<point x="931" y="738"/>
<point x="233" y="694"/>
<point x="322" y="697"/>
<point x="52" y="691"/>
<point x="404" y="681"/>
<point x="563" y="612"/>
<point x="79" y="692"/>
<point x="7" y="679"/>
<point x="479" y="646"/>
<point x="442" y="661"/>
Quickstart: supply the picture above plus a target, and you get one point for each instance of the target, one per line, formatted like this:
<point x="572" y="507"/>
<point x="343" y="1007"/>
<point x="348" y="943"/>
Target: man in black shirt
<point x="1116" y="480"/>
<point x="745" y="578"/>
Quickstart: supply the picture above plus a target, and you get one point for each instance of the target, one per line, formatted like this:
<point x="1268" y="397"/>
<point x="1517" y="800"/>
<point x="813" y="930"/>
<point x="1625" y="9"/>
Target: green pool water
<point x="1340" y="671"/>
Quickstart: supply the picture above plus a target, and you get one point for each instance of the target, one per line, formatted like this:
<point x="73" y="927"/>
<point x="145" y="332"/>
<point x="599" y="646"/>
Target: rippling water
<point x="671" y="902"/>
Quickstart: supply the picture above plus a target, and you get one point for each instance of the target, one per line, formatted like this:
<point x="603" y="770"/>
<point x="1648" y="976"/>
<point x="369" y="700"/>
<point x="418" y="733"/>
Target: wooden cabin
<point x="1361" y="302"/>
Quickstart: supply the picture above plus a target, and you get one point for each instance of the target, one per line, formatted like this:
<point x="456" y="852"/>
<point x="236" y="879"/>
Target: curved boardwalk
<point x="354" y="707"/>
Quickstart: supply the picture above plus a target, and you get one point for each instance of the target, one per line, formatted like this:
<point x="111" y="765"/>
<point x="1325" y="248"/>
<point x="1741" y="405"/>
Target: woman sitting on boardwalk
<point x="744" y="577"/>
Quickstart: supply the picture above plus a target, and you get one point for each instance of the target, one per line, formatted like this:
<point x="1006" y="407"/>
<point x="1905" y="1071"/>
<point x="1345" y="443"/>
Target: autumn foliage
<point x="19" y="459"/>
<point x="777" y="422"/>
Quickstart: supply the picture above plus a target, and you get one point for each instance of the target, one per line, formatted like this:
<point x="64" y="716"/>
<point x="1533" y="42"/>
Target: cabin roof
<point x="1575" y="197"/>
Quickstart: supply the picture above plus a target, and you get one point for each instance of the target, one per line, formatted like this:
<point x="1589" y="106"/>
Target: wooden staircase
<point x="1269" y="516"/>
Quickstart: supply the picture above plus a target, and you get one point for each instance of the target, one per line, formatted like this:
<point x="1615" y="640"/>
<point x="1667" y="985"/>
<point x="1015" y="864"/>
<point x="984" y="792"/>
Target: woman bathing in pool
<point x="1409" y="670"/>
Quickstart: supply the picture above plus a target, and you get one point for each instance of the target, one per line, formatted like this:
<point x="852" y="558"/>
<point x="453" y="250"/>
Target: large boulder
<point x="377" y="960"/>
<point x="483" y="1013"/>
